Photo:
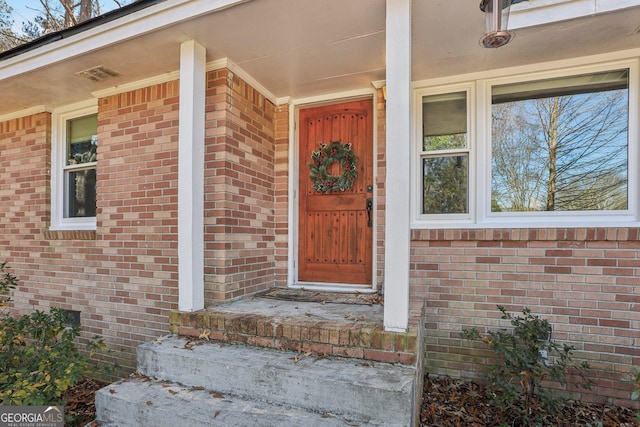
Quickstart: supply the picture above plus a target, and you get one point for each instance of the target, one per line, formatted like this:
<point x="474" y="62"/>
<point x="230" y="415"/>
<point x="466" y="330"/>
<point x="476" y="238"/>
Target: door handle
<point x="369" y="210"/>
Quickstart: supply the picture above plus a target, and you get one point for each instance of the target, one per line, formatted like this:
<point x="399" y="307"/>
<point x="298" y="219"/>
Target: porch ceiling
<point x="298" y="48"/>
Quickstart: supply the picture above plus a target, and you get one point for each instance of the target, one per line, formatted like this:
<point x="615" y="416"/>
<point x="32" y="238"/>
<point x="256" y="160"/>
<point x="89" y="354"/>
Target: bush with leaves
<point x="8" y="282"/>
<point x="526" y="358"/>
<point x="635" y="395"/>
<point x="38" y="357"/>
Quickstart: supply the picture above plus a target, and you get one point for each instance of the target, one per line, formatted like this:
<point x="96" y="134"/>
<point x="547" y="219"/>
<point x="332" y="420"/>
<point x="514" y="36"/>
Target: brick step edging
<point x="359" y="340"/>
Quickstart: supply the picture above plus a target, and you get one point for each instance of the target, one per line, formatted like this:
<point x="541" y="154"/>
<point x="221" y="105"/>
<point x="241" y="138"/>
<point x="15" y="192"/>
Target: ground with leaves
<point x="451" y="402"/>
<point x="446" y="402"/>
<point x="81" y="401"/>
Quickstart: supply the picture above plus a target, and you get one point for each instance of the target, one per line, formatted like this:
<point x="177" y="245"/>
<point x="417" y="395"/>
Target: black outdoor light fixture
<point x="497" y="18"/>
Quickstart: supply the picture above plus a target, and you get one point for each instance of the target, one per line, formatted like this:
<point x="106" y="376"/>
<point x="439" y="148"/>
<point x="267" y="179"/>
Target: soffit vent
<point x="98" y="74"/>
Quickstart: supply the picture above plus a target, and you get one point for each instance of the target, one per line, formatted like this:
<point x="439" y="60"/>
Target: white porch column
<point x="398" y="155"/>
<point x="191" y="177"/>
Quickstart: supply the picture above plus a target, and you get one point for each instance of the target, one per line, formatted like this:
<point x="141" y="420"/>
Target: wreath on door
<point x="324" y="157"/>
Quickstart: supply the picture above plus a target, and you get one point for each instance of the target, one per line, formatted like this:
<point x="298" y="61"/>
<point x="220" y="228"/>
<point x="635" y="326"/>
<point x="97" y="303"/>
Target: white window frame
<point x="479" y="125"/>
<point x="540" y="12"/>
<point x="416" y="172"/>
<point x="58" y="164"/>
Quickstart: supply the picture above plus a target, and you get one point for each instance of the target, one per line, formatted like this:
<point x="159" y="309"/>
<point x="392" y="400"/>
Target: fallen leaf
<point x="149" y="402"/>
<point x="216" y="414"/>
<point x="325" y="415"/>
<point x="196" y="388"/>
<point x="205" y="335"/>
<point x="173" y="391"/>
<point x="112" y="391"/>
<point x="216" y="395"/>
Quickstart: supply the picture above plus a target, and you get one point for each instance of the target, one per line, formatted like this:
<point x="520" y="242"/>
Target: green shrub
<point x="8" y="282"/>
<point x="38" y="357"/>
<point x="635" y="395"/>
<point x="526" y="358"/>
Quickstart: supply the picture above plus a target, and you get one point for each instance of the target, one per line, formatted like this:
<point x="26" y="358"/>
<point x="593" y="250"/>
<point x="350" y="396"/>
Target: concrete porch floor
<point x="331" y="311"/>
<point x="338" y="325"/>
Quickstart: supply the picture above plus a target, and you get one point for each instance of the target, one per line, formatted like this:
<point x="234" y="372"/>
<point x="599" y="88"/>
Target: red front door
<point x="335" y="227"/>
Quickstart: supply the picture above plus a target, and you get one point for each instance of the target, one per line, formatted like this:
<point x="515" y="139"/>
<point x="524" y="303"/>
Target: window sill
<point x="69" y="234"/>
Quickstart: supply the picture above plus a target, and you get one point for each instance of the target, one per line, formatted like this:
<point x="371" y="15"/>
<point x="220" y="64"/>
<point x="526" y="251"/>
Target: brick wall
<point x="123" y="276"/>
<point x="281" y="195"/>
<point x="25" y="208"/>
<point x="584" y="281"/>
<point x="136" y="266"/>
<point x="24" y="183"/>
<point x="239" y="188"/>
<point x="381" y="176"/>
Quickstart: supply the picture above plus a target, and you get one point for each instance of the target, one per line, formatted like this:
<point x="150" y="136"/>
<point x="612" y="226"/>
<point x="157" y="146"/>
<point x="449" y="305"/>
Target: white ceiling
<point x="300" y="48"/>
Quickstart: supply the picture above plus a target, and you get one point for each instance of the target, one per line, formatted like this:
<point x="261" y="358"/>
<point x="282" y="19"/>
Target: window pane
<point x="444" y="185"/>
<point x="444" y="120"/>
<point x="82" y="141"/>
<point x="561" y="145"/>
<point x="81" y="193"/>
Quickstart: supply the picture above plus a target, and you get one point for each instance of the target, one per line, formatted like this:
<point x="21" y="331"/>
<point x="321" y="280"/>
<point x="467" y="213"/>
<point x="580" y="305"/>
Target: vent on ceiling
<point x="98" y="74"/>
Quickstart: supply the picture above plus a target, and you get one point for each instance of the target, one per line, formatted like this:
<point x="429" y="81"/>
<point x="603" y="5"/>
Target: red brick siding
<point x="381" y="174"/>
<point x="239" y="188"/>
<point x="123" y="276"/>
<point x="24" y="182"/>
<point x="281" y="194"/>
<point x="25" y="206"/>
<point x="585" y="281"/>
<point x="137" y="222"/>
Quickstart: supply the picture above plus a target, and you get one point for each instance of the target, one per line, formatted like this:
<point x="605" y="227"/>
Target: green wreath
<point x="324" y="158"/>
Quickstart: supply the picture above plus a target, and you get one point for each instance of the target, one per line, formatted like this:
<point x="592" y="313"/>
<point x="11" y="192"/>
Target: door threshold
<point x="333" y="287"/>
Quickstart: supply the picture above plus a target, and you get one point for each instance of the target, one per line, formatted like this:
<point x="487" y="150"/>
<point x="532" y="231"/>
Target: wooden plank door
<point x="336" y="229"/>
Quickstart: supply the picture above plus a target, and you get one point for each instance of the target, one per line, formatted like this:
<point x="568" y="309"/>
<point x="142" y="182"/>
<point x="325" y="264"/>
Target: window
<point x="74" y="168"/>
<point x="561" y="144"/>
<point x="553" y="151"/>
<point x="445" y="154"/>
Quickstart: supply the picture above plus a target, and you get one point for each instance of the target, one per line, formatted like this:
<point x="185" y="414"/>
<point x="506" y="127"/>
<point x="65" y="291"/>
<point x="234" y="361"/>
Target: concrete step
<point x="142" y="402"/>
<point x="349" y="388"/>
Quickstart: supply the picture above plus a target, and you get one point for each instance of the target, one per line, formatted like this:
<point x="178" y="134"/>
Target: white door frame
<point x="294" y="167"/>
